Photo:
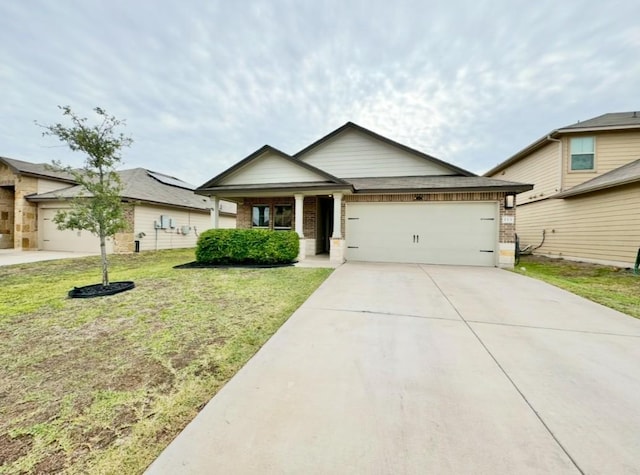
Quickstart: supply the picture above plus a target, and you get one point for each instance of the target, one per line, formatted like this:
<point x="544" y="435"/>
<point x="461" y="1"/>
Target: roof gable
<point x="267" y="166"/>
<point x="352" y="151"/>
<point x="43" y="170"/>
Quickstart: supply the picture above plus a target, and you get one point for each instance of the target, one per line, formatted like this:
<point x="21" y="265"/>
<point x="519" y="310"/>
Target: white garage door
<point x="52" y="239"/>
<point x="430" y="233"/>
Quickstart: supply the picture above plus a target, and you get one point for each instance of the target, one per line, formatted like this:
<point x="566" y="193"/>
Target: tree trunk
<point x="105" y="264"/>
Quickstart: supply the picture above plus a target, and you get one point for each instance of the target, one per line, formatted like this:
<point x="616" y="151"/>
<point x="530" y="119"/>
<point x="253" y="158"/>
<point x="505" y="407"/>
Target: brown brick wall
<point x="243" y="217"/>
<point x="123" y="242"/>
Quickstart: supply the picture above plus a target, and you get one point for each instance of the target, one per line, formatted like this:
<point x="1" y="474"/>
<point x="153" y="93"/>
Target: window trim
<point x="571" y="154"/>
<point x="268" y="207"/>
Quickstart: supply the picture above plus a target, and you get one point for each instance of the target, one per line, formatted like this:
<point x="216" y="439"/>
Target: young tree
<point x="98" y="208"/>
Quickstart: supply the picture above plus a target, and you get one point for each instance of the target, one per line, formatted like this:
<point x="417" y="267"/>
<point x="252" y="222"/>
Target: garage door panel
<point x="434" y="233"/>
<point x="53" y="239"/>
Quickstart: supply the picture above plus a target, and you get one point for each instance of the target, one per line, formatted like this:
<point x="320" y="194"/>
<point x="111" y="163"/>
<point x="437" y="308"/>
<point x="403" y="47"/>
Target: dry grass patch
<point x="103" y="385"/>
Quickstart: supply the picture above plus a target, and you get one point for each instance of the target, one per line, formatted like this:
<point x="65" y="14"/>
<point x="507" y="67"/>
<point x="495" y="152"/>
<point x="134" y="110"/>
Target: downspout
<point x="551" y="139"/>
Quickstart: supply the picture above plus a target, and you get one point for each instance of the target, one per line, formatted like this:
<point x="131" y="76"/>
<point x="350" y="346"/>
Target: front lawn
<point x="103" y="385"/>
<point x="611" y="286"/>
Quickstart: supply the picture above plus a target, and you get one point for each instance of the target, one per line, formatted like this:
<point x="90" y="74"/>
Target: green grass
<point x="611" y="286"/>
<point x="103" y="385"/>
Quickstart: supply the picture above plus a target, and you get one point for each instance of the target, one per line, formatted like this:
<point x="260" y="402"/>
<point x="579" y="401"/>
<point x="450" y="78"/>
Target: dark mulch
<point x="203" y="265"/>
<point x="99" y="290"/>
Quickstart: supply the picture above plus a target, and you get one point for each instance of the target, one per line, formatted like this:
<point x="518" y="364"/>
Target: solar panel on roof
<point x="171" y="181"/>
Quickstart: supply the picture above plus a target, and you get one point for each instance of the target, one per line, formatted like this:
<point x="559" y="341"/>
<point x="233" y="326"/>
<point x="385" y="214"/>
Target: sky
<point x="201" y="84"/>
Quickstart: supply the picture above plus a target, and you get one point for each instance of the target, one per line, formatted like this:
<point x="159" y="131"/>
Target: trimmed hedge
<point x="247" y="246"/>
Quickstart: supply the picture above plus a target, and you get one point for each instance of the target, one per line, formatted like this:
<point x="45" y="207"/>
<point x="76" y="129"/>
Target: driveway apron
<point x="411" y="369"/>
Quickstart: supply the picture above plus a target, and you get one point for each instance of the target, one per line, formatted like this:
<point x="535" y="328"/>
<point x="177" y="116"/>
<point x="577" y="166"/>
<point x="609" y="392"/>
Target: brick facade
<point x="243" y="217"/>
<point x="123" y="242"/>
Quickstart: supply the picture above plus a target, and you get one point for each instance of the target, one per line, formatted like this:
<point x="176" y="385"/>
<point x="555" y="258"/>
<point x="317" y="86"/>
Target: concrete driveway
<point x="10" y="257"/>
<point x="414" y="369"/>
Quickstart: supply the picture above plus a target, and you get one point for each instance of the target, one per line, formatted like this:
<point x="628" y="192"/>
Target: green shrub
<point x="247" y="246"/>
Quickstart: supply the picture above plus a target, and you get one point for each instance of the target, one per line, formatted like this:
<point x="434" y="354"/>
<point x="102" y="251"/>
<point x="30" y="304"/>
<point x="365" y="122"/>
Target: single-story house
<point x="585" y="203"/>
<point x="163" y="212"/>
<point x="360" y="196"/>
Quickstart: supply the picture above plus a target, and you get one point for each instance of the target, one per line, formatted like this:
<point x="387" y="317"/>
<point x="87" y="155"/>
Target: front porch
<point x="317" y="219"/>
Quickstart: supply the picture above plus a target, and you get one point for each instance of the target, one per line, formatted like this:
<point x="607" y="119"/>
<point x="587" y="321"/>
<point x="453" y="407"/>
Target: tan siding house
<point x="356" y="195"/>
<point x="163" y="211"/>
<point x="593" y="211"/>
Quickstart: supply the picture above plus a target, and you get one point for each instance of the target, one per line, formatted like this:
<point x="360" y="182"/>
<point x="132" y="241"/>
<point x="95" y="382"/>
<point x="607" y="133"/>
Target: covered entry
<point x="458" y="233"/>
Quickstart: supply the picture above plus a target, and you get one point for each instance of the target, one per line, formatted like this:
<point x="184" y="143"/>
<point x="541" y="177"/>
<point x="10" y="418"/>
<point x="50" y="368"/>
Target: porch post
<point x="336" y="250"/>
<point x="215" y="211"/>
<point x="337" y="216"/>
<point x="299" y="225"/>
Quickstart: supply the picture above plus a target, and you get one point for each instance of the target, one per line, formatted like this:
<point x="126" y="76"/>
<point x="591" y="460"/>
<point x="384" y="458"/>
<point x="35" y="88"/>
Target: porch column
<point x="215" y="211"/>
<point x="299" y="216"/>
<point x="336" y="249"/>
<point x="337" y="216"/>
<point x="299" y="225"/>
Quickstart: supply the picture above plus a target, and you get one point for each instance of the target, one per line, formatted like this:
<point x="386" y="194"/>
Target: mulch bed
<point x="202" y="265"/>
<point x="99" y="290"/>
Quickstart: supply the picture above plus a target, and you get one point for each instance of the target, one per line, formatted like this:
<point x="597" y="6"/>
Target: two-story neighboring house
<point x="585" y="204"/>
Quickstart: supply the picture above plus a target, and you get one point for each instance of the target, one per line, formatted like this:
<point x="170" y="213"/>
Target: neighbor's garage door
<point x="52" y="239"/>
<point x="431" y="233"/>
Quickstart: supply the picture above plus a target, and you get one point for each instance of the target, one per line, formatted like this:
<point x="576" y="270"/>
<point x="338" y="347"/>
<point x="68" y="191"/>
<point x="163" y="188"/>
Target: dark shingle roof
<point x="43" y="170"/>
<point x="613" y="119"/>
<point x="434" y="184"/>
<point x="138" y="184"/>
<point x="629" y="173"/>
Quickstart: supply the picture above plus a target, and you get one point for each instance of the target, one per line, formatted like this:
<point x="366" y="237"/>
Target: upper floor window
<point x="260" y="216"/>
<point x="282" y="216"/>
<point x="582" y="153"/>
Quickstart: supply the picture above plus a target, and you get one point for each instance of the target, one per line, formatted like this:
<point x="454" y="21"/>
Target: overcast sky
<point x="203" y="83"/>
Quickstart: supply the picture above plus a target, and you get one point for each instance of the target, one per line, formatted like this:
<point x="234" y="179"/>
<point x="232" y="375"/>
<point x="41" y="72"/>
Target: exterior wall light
<point x="509" y="201"/>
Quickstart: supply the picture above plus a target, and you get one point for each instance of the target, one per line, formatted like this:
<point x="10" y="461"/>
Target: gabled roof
<point x="604" y="122"/>
<point x="215" y="182"/>
<point x="611" y="120"/>
<point x="139" y="184"/>
<point x="424" y="184"/>
<point x="624" y="175"/>
<point x="351" y="126"/>
<point x="38" y="170"/>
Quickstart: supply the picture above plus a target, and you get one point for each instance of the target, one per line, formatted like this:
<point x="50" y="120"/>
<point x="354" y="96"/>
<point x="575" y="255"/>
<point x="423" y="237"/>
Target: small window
<point x="582" y="153"/>
<point x="282" y="216"/>
<point x="260" y="216"/>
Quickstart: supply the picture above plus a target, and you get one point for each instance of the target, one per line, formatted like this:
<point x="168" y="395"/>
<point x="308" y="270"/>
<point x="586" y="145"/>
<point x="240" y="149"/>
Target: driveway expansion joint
<point x="386" y="314"/>
<point x="503" y="370"/>
<point x="570" y="330"/>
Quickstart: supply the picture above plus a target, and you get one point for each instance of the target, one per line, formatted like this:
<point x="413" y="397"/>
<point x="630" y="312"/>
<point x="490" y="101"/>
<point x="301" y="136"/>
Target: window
<point x="260" y="216"/>
<point x="582" y="153"/>
<point x="282" y="216"/>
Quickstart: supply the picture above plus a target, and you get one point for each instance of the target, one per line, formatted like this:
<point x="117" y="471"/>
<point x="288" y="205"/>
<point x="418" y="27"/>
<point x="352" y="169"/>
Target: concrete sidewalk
<point x="425" y="369"/>
<point x="10" y="257"/>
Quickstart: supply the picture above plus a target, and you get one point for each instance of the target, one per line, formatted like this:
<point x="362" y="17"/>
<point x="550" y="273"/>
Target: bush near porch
<point x="247" y="246"/>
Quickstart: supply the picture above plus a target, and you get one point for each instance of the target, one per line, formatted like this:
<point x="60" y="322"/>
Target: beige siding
<point x="603" y="226"/>
<point x="541" y="168"/>
<point x="613" y="149"/>
<point x="45" y="186"/>
<point x="354" y="154"/>
<point x="271" y="168"/>
<point x="192" y="222"/>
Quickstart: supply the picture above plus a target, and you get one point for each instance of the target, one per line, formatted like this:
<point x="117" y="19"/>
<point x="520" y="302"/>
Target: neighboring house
<point x="163" y="212"/>
<point x="585" y="204"/>
<point x="363" y="197"/>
